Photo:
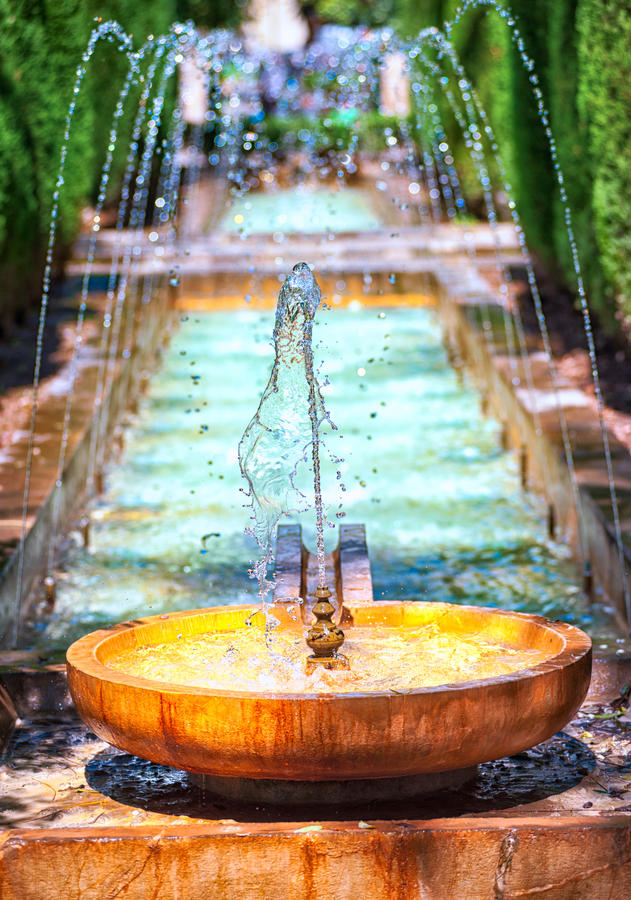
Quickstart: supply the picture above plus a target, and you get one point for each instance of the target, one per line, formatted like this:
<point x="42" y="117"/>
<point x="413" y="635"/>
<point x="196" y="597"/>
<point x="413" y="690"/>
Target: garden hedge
<point x="581" y="51"/>
<point x="41" y="44"/>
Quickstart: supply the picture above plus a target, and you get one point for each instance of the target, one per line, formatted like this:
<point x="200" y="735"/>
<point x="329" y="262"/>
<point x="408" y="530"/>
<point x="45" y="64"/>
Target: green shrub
<point x="338" y="130"/>
<point x="351" y="12"/>
<point x="36" y="46"/>
<point x="41" y="45"/>
<point x="604" y="100"/>
<point x="580" y="49"/>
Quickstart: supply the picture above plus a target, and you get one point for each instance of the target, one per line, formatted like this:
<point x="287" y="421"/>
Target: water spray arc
<point x="274" y="450"/>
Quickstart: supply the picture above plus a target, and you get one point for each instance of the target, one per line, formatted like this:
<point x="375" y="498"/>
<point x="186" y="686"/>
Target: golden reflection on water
<point x="382" y="658"/>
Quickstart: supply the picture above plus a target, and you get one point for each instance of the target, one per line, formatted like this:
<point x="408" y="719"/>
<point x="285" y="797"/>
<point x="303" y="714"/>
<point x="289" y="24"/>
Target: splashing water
<point x="274" y="450"/>
<point x="400" y="660"/>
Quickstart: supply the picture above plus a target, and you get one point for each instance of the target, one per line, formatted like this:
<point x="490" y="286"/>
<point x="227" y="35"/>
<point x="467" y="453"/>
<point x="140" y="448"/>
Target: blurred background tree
<point x="351" y="12"/>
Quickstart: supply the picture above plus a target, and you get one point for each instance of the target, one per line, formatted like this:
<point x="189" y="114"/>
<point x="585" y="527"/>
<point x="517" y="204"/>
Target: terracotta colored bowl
<point x="315" y="737"/>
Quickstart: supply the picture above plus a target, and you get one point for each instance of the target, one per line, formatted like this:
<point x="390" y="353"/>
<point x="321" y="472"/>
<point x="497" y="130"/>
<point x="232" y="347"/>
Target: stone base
<point x="553" y="822"/>
<point x="274" y="792"/>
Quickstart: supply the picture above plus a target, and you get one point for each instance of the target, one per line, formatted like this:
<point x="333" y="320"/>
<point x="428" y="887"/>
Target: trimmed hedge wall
<point x="581" y="52"/>
<point x="604" y="104"/>
<point x="41" y="44"/>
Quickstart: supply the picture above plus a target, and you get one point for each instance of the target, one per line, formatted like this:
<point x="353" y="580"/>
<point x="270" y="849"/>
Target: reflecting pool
<point x="302" y="210"/>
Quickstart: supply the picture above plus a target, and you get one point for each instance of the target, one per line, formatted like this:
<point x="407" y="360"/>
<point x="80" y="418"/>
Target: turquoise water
<point x="302" y="210"/>
<point x="424" y="471"/>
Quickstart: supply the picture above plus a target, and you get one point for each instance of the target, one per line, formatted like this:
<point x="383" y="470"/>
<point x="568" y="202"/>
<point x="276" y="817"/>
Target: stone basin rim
<point x="83" y="654"/>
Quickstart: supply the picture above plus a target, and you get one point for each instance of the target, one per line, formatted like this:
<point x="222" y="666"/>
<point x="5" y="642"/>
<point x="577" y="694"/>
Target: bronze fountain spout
<point x="325" y="637"/>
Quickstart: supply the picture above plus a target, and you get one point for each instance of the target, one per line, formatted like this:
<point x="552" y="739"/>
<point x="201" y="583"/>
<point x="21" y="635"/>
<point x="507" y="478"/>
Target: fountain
<point x="419" y="695"/>
<point x="426" y="692"/>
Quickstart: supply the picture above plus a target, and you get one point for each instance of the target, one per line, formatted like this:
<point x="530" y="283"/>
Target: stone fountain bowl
<point x="332" y="737"/>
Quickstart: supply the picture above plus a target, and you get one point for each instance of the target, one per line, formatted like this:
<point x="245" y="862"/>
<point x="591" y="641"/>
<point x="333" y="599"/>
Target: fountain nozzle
<point x="325" y="637"/>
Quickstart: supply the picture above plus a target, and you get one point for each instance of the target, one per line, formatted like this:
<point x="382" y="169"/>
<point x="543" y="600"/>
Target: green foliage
<point x="604" y="100"/>
<point x="41" y="45"/>
<point x="35" y="44"/>
<point x="335" y="132"/>
<point x="483" y="48"/>
<point x="208" y="13"/>
<point x="580" y="50"/>
<point x="412" y="16"/>
<point x="351" y="12"/>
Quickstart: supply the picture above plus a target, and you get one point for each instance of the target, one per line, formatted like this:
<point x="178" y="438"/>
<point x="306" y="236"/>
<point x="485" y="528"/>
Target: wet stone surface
<point x="56" y="774"/>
